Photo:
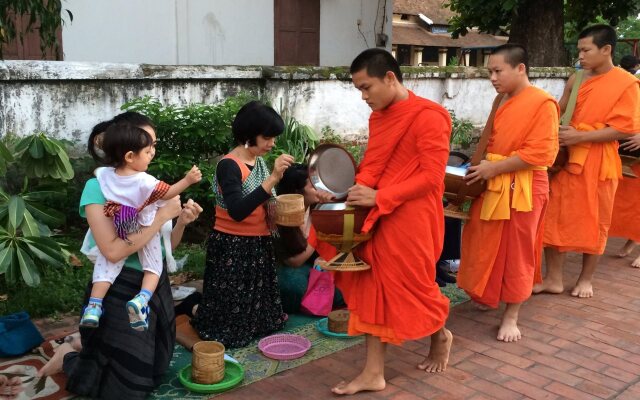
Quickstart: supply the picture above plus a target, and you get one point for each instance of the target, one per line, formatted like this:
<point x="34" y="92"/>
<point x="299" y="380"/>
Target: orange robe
<point x="581" y="199"/>
<point x="501" y="255"/>
<point x="398" y="298"/>
<point x="625" y="221"/>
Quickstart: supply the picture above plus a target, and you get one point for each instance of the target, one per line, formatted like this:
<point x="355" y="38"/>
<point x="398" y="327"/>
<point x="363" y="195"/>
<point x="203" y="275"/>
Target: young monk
<point x="401" y="177"/>
<point x="625" y="221"/>
<point x="582" y="193"/>
<point x="502" y="241"/>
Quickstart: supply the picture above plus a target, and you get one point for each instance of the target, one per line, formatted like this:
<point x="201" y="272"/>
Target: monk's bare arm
<point x="564" y="100"/>
<point x="570" y="136"/>
<point x="433" y="149"/>
<point x="108" y="242"/>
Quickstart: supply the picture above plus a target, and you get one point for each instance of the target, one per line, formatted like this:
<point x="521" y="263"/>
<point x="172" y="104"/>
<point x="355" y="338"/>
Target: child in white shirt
<point x="133" y="197"/>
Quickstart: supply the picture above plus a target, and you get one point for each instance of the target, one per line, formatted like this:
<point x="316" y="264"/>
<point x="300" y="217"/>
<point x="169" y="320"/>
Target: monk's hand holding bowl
<point x="569" y="136"/>
<point x="481" y="172"/>
<point x="362" y="196"/>
<point x="633" y="143"/>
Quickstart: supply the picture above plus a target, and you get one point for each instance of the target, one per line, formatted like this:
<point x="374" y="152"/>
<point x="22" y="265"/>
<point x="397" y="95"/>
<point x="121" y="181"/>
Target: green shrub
<point x="461" y="131"/>
<point x="193" y="134"/>
<point x="329" y="135"/>
<point x="297" y="140"/>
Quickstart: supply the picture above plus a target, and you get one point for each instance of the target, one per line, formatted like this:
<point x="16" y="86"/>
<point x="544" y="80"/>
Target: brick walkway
<point x="571" y="349"/>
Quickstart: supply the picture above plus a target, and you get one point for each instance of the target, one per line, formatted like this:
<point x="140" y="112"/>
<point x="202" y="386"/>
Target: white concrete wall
<point x="341" y="38"/>
<point x="218" y="32"/>
<point x="211" y="32"/>
<point x="120" y="31"/>
<point x="67" y="99"/>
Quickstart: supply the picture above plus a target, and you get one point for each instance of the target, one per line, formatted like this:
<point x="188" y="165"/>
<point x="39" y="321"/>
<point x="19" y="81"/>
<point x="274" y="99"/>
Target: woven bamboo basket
<point x="207" y="363"/>
<point x="344" y="261"/>
<point x="290" y="210"/>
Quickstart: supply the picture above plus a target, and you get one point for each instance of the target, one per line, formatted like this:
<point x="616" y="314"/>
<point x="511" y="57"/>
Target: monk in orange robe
<point x="625" y="221"/>
<point x="502" y="241"/>
<point x="402" y="178"/>
<point x="582" y="193"/>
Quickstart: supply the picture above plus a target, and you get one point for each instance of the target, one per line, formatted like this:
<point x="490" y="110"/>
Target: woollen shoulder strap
<point x="573" y="97"/>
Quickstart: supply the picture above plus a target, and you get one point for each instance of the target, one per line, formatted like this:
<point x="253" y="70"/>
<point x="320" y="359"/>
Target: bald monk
<point x="502" y="241"/>
<point x="402" y="178"/>
<point x="582" y="193"/>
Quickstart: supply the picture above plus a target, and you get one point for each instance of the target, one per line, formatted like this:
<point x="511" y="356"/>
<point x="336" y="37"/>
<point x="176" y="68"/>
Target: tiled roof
<point x="434" y="9"/>
<point x="412" y="34"/>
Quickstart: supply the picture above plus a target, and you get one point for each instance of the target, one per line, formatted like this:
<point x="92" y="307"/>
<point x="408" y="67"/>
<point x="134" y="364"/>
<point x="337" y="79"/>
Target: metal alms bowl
<point x="332" y="169"/>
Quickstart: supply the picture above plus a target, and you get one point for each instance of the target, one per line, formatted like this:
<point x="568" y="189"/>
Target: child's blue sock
<point x="96" y="301"/>
<point x="146" y="294"/>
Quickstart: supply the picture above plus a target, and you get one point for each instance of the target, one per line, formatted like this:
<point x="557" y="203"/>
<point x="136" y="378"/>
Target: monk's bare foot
<point x="10" y="388"/>
<point x="439" y="350"/>
<point x="548" y="286"/>
<point x="54" y="365"/>
<point x="480" y="306"/>
<point x="583" y="290"/>
<point x="636" y="263"/>
<point x="509" y="331"/>
<point x="363" y="382"/>
<point x="627" y="248"/>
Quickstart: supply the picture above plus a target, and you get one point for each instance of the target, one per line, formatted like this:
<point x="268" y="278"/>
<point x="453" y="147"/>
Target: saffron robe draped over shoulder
<point x="625" y="221"/>
<point x="500" y="257"/>
<point x="398" y="298"/>
<point x="581" y="202"/>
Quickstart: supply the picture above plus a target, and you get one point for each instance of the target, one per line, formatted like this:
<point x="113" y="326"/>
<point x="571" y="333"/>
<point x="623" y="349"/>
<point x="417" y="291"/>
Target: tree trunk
<point x="538" y="25"/>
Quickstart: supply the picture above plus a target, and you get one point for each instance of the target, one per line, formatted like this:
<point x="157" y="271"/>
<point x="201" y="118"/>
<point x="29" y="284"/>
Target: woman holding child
<point x="112" y="360"/>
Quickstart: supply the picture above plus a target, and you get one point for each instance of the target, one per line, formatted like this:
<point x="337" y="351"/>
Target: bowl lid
<point x="332" y="169"/>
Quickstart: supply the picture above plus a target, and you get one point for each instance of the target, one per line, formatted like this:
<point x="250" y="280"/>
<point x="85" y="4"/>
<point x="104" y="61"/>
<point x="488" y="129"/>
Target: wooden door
<point x="29" y="47"/>
<point x="297" y="32"/>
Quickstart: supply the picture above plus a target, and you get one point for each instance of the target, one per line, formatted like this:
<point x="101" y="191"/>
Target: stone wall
<point x="67" y="98"/>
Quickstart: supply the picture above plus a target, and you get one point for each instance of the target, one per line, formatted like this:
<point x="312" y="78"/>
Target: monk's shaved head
<point x="514" y="54"/>
<point x="601" y="35"/>
<point x="377" y="62"/>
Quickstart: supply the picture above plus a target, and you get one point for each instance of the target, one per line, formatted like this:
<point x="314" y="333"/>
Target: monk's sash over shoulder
<point x="386" y="128"/>
<point x="609" y="88"/>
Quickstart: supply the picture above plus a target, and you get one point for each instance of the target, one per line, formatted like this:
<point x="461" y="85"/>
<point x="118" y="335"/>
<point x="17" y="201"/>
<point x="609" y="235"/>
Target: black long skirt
<point x="241" y="299"/>
<point x="116" y="361"/>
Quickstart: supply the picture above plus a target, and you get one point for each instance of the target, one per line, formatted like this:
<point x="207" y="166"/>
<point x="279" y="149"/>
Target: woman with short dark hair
<point x="241" y="299"/>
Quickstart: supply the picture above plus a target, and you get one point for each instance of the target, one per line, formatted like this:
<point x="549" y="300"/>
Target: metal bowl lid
<point x="332" y="169"/>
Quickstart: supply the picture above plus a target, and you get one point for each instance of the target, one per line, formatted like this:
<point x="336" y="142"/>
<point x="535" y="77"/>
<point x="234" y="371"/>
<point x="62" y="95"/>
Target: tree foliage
<point x="525" y="16"/>
<point x="45" y="16"/>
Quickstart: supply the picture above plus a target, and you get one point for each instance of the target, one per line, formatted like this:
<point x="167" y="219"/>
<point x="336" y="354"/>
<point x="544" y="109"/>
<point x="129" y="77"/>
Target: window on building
<point x="404" y="17"/>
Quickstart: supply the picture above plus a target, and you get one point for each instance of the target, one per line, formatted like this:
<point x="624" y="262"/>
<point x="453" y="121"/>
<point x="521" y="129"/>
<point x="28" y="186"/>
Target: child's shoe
<point x="138" y="310"/>
<point x="91" y="316"/>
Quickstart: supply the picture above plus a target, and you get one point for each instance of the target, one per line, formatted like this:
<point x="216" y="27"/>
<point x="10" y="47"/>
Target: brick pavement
<point x="571" y="349"/>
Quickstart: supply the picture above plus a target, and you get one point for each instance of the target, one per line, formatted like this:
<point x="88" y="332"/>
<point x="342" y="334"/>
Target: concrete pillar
<point x="394" y="51"/>
<point x="485" y="54"/>
<point x="467" y="58"/>
<point x="417" y="55"/>
<point x="442" y="57"/>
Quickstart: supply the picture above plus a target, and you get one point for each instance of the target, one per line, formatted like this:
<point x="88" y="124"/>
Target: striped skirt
<point x="117" y="362"/>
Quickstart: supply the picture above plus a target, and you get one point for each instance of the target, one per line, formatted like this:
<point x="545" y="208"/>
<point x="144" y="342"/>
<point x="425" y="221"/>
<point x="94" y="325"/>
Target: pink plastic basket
<point x="284" y="346"/>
